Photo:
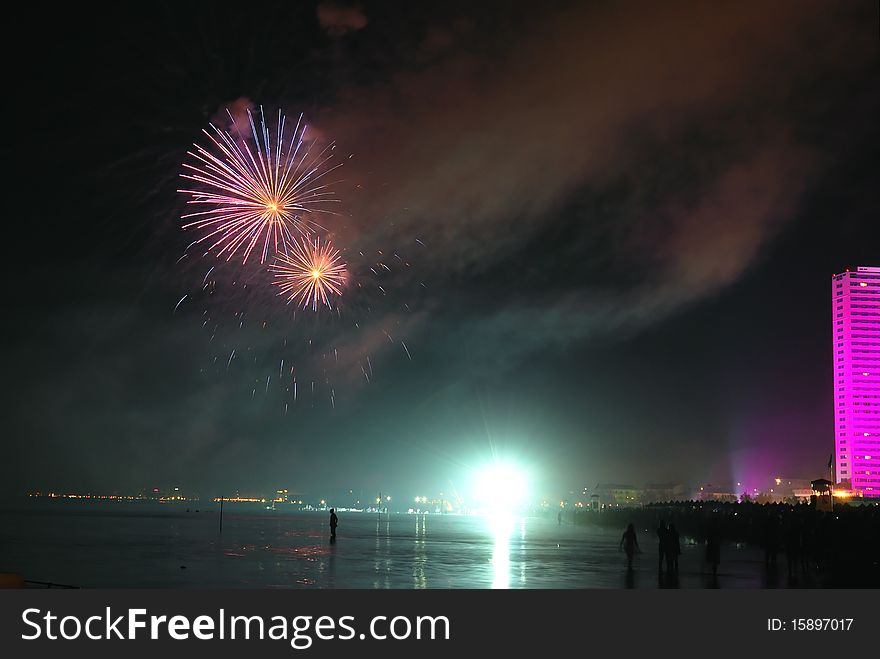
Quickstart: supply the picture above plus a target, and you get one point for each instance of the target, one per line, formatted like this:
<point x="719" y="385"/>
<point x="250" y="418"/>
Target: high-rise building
<point x="855" y="300"/>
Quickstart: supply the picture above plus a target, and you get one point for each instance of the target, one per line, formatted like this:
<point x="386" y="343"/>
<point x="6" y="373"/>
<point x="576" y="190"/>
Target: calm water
<point x="149" y="545"/>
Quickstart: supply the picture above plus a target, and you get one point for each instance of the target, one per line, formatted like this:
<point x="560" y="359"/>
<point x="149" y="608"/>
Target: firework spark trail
<point x="310" y="274"/>
<point x="179" y="302"/>
<point x="255" y="191"/>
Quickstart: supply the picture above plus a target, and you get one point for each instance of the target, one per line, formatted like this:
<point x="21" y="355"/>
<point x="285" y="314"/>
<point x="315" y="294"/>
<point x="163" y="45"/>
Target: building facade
<point x="855" y="299"/>
<point x="616" y="495"/>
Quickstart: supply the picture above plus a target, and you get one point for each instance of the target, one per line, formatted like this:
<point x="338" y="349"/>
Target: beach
<point x="180" y="546"/>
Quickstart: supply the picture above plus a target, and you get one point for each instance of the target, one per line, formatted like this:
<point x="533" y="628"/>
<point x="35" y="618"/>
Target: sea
<point x="180" y="545"/>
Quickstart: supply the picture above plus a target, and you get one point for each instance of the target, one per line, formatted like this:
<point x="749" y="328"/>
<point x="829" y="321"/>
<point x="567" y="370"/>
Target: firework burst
<point x="310" y="273"/>
<point x="256" y="192"/>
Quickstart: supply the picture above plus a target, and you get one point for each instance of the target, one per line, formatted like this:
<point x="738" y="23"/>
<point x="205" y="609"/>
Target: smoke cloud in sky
<point x="338" y="19"/>
<point x="472" y="153"/>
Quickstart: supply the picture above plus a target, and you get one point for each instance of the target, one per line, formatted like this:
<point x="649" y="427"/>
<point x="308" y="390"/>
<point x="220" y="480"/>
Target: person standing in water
<point x="673" y="550"/>
<point x="662" y="543"/>
<point x="334" y="521"/>
<point x="630" y="544"/>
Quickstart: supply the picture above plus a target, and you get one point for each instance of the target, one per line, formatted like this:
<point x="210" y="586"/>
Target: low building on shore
<point x="664" y="492"/>
<point x="617" y="495"/>
<point x="712" y="492"/>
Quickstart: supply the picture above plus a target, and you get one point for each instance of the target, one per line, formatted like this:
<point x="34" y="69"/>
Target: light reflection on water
<point x="420" y="555"/>
<point x="383" y="562"/>
<point x="502" y="528"/>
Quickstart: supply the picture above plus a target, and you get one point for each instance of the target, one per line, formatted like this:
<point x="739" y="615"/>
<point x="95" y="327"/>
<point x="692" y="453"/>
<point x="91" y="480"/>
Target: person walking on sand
<point x="673" y="549"/>
<point x="662" y="542"/>
<point x="334" y="520"/>
<point x="630" y="544"/>
<point x="713" y="547"/>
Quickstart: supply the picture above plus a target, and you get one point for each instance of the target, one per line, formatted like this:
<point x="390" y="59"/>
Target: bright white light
<point x="501" y="525"/>
<point x="500" y="487"/>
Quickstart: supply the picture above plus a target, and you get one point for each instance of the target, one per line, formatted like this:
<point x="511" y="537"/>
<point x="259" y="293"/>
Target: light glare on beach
<point x="500" y="487"/>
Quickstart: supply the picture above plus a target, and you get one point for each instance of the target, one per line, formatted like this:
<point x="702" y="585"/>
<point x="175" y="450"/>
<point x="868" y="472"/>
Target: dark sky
<point x="620" y="220"/>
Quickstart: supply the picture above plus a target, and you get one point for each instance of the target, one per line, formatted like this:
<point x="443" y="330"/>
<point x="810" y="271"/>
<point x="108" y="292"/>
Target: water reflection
<point x="420" y="555"/>
<point x="382" y="560"/>
<point x="501" y="526"/>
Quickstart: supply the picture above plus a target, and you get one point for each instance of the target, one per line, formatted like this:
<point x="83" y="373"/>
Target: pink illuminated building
<point x="855" y="299"/>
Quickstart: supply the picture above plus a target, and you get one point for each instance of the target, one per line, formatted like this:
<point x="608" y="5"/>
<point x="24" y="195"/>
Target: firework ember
<point x="256" y="192"/>
<point x="310" y="273"/>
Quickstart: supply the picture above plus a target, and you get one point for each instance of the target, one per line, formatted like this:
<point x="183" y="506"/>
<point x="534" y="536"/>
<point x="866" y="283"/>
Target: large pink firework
<point x="310" y="273"/>
<point x="256" y="192"/>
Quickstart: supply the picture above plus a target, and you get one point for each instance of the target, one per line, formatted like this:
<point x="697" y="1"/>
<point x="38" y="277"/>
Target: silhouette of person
<point x="770" y="538"/>
<point x="673" y="548"/>
<point x="793" y="544"/>
<point x="630" y="544"/>
<point x="559" y="518"/>
<point x="713" y="548"/>
<point x="662" y="542"/>
<point x="334" y="520"/>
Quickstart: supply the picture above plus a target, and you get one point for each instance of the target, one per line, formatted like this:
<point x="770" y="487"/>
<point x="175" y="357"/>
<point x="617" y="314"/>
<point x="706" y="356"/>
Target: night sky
<point x="619" y="220"/>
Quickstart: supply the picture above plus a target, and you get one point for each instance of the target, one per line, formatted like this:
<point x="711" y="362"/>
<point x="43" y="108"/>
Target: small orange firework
<point x="310" y="273"/>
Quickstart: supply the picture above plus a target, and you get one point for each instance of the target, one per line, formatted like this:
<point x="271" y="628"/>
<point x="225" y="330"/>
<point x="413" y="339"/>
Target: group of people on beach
<point x="669" y="547"/>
